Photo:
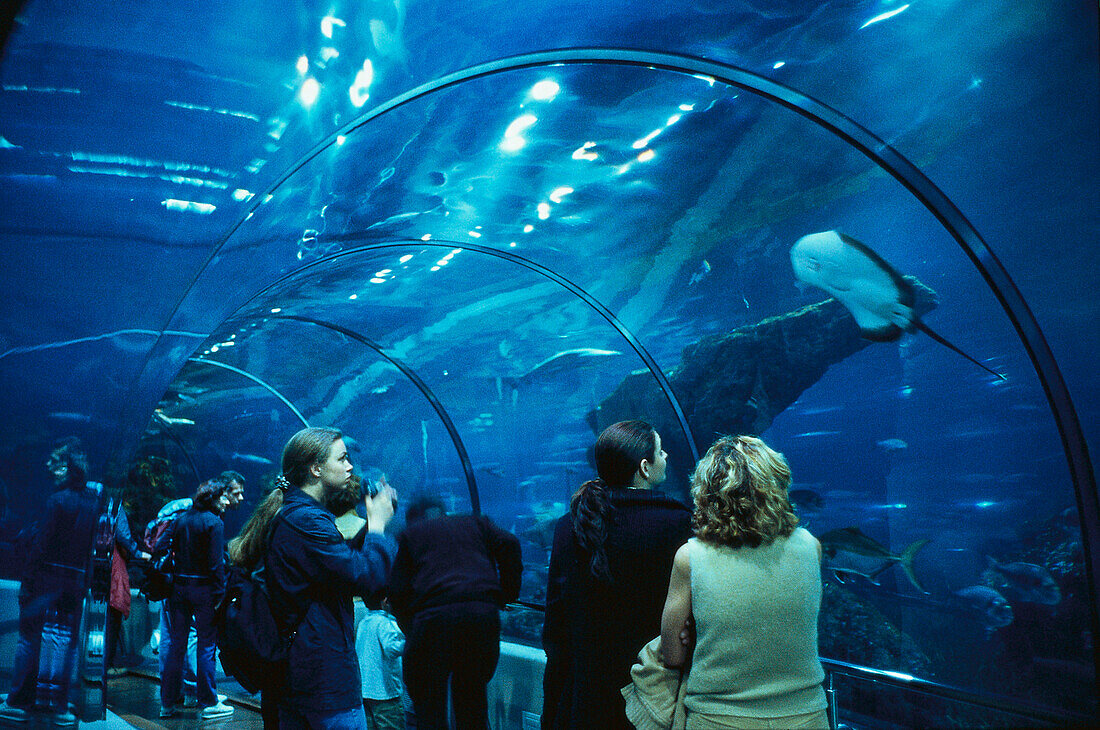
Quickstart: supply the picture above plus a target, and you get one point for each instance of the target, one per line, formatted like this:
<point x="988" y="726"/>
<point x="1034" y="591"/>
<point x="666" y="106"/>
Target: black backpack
<point x="252" y="648"/>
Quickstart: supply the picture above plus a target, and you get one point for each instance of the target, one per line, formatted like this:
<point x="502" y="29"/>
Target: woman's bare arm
<point x="677" y="610"/>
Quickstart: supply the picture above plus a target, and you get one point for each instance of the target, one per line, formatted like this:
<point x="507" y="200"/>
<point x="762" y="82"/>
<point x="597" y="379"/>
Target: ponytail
<point x="590" y="508"/>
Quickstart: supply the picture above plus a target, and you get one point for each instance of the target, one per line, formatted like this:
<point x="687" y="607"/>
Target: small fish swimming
<point x="878" y="297"/>
<point x="70" y="417"/>
<point x="892" y="444"/>
<point x="170" y="421"/>
<point x="990" y="605"/>
<point x="565" y="361"/>
<point x="1024" y="582"/>
<point x="250" y="458"/>
<point x="852" y="540"/>
<point x="806" y="499"/>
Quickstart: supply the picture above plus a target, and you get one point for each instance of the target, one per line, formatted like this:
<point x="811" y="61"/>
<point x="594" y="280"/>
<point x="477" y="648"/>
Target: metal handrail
<point x="1000" y="703"/>
<point x="907" y="682"/>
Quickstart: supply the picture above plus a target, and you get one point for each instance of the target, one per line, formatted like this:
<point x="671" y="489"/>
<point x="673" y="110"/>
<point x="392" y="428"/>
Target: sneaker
<point x="18" y="714"/>
<point x="169" y="711"/>
<point x="190" y="701"/>
<point x="215" y="711"/>
<point x="64" y="719"/>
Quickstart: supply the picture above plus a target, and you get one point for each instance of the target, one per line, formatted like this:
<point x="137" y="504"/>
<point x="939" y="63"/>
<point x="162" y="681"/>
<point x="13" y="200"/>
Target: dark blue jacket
<point x="64" y="547"/>
<point x="197" y="540"/>
<point x="312" y="574"/>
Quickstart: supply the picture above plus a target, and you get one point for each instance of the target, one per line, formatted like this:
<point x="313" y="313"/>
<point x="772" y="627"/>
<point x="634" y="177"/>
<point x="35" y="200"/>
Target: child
<point x="380" y="644"/>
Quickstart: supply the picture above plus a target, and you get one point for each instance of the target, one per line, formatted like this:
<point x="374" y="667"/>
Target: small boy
<point x="379" y="645"/>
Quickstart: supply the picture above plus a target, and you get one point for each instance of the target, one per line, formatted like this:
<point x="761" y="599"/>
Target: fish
<point x="565" y="361"/>
<point x="878" y="297"/>
<point x="852" y="540"/>
<point x="70" y="417"/>
<point x="1025" y="582"/>
<point x="815" y="434"/>
<point x="892" y="444"/>
<point x="991" y="606"/>
<point x="250" y="458"/>
<point x="806" y="499"/>
<point x="170" y="421"/>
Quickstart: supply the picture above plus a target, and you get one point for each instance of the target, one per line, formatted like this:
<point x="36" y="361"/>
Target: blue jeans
<point x="185" y="604"/>
<point x="24" y="680"/>
<point x="58" y="655"/>
<point x="353" y="718"/>
<point x="166" y="644"/>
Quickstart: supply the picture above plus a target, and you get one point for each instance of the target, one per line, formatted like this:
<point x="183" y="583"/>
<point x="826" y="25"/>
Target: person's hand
<point x="379" y="508"/>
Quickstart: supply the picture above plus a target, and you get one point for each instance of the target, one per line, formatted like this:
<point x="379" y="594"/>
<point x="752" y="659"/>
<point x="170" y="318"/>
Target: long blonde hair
<point x="740" y="493"/>
<point x="247" y="550"/>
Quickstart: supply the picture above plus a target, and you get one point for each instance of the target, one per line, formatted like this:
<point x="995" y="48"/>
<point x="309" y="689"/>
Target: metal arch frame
<point x="166" y="428"/>
<point x="267" y="386"/>
<point x="526" y="263"/>
<point x="879" y="152"/>
<point x="425" y="390"/>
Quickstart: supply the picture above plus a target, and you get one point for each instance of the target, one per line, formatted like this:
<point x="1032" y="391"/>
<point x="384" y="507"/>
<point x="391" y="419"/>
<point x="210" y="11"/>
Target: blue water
<point x="180" y="184"/>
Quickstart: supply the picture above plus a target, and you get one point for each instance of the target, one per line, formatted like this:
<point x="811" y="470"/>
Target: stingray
<point x="878" y="297"/>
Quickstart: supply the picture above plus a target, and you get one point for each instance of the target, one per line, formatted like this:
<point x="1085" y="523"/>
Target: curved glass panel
<point x="647" y="216"/>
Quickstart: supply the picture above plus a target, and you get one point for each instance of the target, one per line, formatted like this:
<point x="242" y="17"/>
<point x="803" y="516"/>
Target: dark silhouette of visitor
<point x="609" y="568"/>
<point x="452" y="576"/>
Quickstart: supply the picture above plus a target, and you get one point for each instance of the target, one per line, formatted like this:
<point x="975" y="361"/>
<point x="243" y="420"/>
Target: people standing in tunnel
<point x="311" y="574"/>
<point x="118" y="604"/>
<point x="609" y="567"/>
<point x="453" y="575"/>
<point x="196" y="541"/>
<point x="51" y="596"/>
<point x="751" y="581"/>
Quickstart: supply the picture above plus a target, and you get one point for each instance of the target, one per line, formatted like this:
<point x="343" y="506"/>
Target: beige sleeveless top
<point x="755" y="613"/>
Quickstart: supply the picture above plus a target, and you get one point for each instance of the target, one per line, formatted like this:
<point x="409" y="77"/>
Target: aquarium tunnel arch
<point x="473" y="245"/>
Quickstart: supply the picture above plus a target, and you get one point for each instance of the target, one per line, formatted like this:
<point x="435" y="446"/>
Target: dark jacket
<point x="197" y="540"/>
<point x="63" y="551"/>
<point x="453" y="559"/>
<point x="593" y="629"/>
<point x="311" y="575"/>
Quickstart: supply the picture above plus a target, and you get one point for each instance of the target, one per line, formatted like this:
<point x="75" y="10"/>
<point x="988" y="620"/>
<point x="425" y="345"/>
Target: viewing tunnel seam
<point x="425" y="390"/>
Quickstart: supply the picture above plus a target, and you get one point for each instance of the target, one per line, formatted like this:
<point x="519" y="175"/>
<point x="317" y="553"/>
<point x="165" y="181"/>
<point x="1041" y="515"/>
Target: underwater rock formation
<point x="739" y="381"/>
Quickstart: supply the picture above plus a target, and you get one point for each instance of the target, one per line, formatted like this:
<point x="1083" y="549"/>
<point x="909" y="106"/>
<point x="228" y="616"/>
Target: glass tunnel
<point x="472" y="237"/>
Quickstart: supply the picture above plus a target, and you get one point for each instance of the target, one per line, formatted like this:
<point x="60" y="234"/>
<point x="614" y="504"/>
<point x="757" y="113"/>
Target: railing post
<point x="830" y="696"/>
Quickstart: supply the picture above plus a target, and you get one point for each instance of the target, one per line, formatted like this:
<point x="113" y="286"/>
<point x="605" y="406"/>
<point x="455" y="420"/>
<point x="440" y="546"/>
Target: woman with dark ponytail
<point x="609" y="571"/>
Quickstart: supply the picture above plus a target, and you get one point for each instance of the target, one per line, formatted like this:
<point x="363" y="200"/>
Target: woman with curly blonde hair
<point x="750" y="580"/>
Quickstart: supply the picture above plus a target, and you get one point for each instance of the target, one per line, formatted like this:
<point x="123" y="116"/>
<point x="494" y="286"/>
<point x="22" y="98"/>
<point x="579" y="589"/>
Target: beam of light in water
<point x="647" y="156"/>
<point x="528" y="228"/>
<point x="885" y="16"/>
<point x="241" y="195"/>
<point x="582" y="153"/>
<point x="309" y="92"/>
<point x="359" y="91"/>
<point x="513" y="135"/>
<point x="779" y="64"/>
<point x="673" y="119"/>
<point x="340" y="139"/>
<point x="474" y="234"/>
<point x="425" y="237"/>
<point x="640" y="143"/>
<point x="544" y="211"/>
<point x="560" y="193"/>
<point x="203" y="108"/>
<point x="188" y="206"/>
<point x="303" y="65"/>
<point x="545" y="90"/>
<point x="327" y="24"/>
<point x="407" y="257"/>
<point x="328" y="53"/>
